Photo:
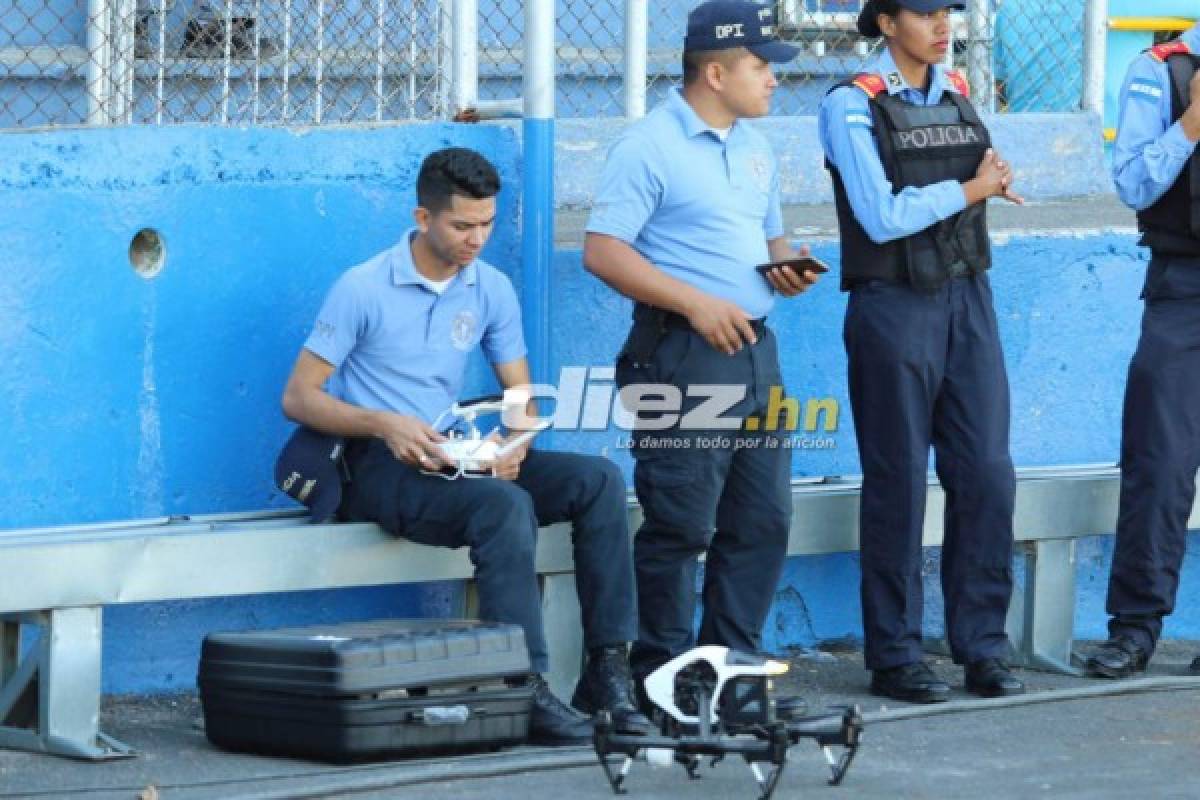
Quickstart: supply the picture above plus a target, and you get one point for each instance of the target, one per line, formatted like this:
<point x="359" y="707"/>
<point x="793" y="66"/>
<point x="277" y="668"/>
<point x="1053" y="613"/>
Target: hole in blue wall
<point x="148" y="253"/>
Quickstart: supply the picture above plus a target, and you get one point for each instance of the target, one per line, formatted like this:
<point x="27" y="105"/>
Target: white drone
<point x="735" y="714"/>
<point x="473" y="454"/>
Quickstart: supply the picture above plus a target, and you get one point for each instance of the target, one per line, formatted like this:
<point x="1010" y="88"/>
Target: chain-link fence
<point x="306" y="62"/>
<point x="1026" y="54"/>
<point x="65" y="62"/>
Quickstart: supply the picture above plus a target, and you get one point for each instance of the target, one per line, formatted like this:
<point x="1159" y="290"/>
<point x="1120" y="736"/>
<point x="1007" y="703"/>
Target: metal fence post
<point x="464" y="70"/>
<point x="1095" y="54"/>
<point x="980" y="55"/>
<point x="637" y="31"/>
<point x="537" y="207"/>
<point x="97" y="79"/>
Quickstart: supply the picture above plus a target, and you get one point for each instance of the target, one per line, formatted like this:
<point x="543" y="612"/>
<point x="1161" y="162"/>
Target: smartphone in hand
<point x="798" y="265"/>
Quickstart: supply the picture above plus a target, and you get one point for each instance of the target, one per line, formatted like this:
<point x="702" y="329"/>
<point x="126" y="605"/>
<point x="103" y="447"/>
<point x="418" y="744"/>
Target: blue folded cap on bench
<point x="309" y="470"/>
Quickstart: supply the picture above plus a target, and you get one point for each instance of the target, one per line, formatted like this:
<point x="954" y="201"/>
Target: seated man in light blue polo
<point x="386" y="358"/>
<point x="687" y="207"/>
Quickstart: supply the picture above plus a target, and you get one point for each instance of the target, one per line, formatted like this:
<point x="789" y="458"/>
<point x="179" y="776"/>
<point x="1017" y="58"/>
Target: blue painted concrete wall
<point x="123" y="397"/>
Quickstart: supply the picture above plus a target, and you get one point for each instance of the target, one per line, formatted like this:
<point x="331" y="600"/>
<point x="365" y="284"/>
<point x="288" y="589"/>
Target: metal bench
<point x="60" y="579"/>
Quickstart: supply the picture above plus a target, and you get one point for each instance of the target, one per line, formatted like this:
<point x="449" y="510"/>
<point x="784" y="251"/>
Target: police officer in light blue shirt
<point x="688" y="205"/>
<point x="912" y="168"/>
<point x="386" y="358"/>
<point x="1157" y="173"/>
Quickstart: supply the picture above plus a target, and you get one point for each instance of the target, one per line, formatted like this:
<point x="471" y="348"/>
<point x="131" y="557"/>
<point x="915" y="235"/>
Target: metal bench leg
<point x="470" y="601"/>
<point x="10" y="633"/>
<point x="50" y="700"/>
<point x="1042" y="616"/>
<point x="564" y="633"/>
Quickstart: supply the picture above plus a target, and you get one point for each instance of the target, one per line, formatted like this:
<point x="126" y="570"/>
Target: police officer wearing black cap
<point x="913" y="167"/>
<point x="688" y="205"/>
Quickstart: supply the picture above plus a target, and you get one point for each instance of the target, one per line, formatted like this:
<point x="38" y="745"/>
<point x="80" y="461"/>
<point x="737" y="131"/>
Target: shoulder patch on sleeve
<point x="859" y="119"/>
<point x="1145" y="89"/>
<point x="1162" y="52"/>
<point x="959" y="83"/>
<point x="871" y="85"/>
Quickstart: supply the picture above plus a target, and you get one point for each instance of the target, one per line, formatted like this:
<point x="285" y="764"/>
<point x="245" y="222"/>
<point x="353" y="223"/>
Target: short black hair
<point x="454" y="170"/>
<point x="890" y="7"/>
<point x="695" y="60"/>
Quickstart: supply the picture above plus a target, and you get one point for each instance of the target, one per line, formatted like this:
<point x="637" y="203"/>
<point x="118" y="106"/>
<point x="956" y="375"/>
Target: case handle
<point x="442" y="715"/>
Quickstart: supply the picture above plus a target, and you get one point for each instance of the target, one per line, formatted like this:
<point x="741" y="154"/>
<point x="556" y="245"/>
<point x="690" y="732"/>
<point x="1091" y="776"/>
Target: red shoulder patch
<point x="871" y="85"/>
<point x="1164" y="51"/>
<point x="959" y="83"/>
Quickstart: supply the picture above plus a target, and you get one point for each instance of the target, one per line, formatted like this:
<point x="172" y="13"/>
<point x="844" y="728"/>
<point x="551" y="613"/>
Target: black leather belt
<point x="672" y="320"/>
<point x="669" y="319"/>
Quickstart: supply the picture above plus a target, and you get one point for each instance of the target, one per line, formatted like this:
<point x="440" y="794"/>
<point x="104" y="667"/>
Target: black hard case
<point x="366" y="690"/>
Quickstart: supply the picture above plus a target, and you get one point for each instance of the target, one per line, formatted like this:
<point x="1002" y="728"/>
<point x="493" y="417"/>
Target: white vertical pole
<point x="444" y="87"/>
<point x="319" y="79"/>
<point x="380" y="60"/>
<point x="637" y="31"/>
<point x="160" y="87"/>
<point x="228" y="66"/>
<point x="539" y="59"/>
<point x="125" y="13"/>
<point x="99" y="49"/>
<point x="980" y="56"/>
<point x="412" y="57"/>
<point x="257" y="62"/>
<point x="537" y="208"/>
<point x="1095" y="54"/>
<point x="464" y="44"/>
<point x="287" y="60"/>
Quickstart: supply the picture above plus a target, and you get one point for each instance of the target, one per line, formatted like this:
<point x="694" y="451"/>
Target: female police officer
<point x="912" y="169"/>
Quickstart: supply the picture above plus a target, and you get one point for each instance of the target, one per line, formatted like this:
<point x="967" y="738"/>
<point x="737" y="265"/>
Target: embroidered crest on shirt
<point x="462" y="330"/>
<point x="760" y="171"/>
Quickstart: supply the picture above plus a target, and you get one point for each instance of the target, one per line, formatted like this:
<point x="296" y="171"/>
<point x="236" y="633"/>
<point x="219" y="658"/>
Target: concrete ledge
<point x="1072" y="216"/>
<point x="1055" y="156"/>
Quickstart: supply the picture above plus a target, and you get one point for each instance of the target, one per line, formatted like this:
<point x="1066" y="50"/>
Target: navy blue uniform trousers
<point x="498" y="520"/>
<point x="1160" y="453"/>
<point x="717" y="491"/>
<point x="925" y="368"/>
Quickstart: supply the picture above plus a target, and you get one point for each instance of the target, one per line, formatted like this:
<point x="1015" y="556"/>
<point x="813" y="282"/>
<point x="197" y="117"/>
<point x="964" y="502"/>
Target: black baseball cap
<point x="868" y="20"/>
<point x="309" y="470"/>
<point x="724" y="24"/>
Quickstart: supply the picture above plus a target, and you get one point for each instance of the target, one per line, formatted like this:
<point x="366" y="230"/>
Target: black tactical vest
<point x="920" y="146"/>
<point x="1172" y="225"/>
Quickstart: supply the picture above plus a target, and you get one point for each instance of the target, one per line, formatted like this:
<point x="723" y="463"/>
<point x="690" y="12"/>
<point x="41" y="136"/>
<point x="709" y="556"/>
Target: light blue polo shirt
<point x="399" y="346"/>
<point x="1150" y="151"/>
<point x="698" y="208"/>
